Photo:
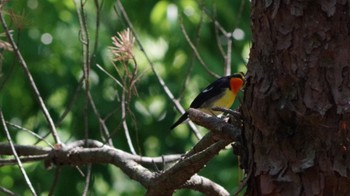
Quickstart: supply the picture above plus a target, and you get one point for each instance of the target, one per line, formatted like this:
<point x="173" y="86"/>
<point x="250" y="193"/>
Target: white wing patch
<point x="207" y="89"/>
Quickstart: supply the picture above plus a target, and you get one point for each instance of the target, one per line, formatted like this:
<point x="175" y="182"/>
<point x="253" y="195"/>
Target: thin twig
<point x="110" y="75"/>
<point x="228" y="35"/>
<point x="227" y="67"/>
<point x="15" y="153"/>
<point x="71" y="103"/>
<point x="97" y="29"/>
<point x="84" y="38"/>
<point x="125" y="125"/>
<point x="6" y="191"/>
<point x="105" y="132"/>
<point x="87" y="180"/>
<point x="30" y="132"/>
<point x="160" y="80"/>
<point x="31" y="80"/>
<point x="133" y="79"/>
<point x="194" y="49"/>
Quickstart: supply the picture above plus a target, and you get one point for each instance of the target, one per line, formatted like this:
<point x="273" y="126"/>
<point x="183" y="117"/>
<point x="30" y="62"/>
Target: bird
<point x="221" y="93"/>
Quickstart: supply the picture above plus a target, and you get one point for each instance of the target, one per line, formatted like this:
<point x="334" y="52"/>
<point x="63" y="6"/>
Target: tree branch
<point x="180" y="175"/>
<point x="84" y="39"/>
<point x="205" y="186"/>
<point x="6" y="191"/>
<point x="222" y="134"/>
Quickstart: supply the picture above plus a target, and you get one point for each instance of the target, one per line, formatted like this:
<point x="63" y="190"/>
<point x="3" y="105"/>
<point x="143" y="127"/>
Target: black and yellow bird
<point x="221" y="93"/>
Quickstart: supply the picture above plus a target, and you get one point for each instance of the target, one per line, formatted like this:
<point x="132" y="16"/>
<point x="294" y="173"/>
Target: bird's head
<point x="237" y="82"/>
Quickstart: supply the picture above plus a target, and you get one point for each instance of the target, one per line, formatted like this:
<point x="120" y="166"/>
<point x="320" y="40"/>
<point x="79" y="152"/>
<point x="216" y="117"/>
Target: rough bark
<point x="297" y="98"/>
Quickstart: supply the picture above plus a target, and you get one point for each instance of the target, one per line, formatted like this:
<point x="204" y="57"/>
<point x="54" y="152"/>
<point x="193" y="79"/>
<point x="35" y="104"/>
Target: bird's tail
<point x="181" y="120"/>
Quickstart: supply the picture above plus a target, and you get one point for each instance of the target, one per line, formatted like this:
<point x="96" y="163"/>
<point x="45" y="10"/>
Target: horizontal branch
<point x="36" y="153"/>
<point x="181" y="175"/>
<point x="27" y="159"/>
<point x="205" y="186"/>
<point x="218" y="126"/>
<point x="95" y="152"/>
<point x="23" y="150"/>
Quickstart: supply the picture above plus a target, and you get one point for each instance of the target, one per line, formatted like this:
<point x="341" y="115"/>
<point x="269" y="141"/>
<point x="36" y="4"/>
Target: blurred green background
<point x="47" y="33"/>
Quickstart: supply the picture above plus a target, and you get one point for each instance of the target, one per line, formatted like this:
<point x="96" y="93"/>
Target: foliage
<point x="48" y="36"/>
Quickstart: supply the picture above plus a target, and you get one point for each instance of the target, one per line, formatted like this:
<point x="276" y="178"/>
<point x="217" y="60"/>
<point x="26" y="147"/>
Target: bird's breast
<point x="224" y="100"/>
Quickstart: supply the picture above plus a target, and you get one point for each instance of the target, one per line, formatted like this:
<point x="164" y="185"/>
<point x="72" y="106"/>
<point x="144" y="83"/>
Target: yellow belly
<point x="225" y="101"/>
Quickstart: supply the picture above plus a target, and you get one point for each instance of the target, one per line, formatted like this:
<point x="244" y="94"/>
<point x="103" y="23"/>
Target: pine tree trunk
<point x="297" y="98"/>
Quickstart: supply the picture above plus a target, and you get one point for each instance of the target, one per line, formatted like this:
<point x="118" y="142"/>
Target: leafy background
<point x="47" y="33"/>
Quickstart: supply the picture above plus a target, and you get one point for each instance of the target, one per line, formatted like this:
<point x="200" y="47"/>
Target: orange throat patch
<point x="236" y="84"/>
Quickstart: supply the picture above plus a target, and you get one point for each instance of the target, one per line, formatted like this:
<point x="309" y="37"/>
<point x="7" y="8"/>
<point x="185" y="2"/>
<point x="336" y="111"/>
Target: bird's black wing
<point x="214" y="89"/>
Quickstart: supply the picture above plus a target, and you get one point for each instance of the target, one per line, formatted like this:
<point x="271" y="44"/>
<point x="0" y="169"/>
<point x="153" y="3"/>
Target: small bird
<point x="221" y="93"/>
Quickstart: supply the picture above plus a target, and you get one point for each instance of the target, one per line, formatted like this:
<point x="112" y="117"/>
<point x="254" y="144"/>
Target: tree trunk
<point x="297" y="98"/>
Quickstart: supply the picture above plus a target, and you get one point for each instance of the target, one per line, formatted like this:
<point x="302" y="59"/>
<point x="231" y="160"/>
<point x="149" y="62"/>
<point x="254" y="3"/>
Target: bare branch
<point x="228" y="57"/>
<point x="23" y="150"/>
<point x="175" y="176"/>
<point x="6" y="191"/>
<point x="30" y="78"/>
<point x="205" y="186"/>
<point x="219" y="130"/>
<point x="74" y="154"/>
<point x="222" y="134"/>
<point x="99" y="153"/>
<point x="103" y="127"/>
<point x="216" y="125"/>
<point x="170" y="179"/>
<point x="125" y="125"/>
<point x="84" y="38"/>
<point x="87" y="180"/>
<point x="42" y="152"/>
<point x="15" y="153"/>
<point x="27" y="159"/>
<point x="109" y="75"/>
<point x="158" y="160"/>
